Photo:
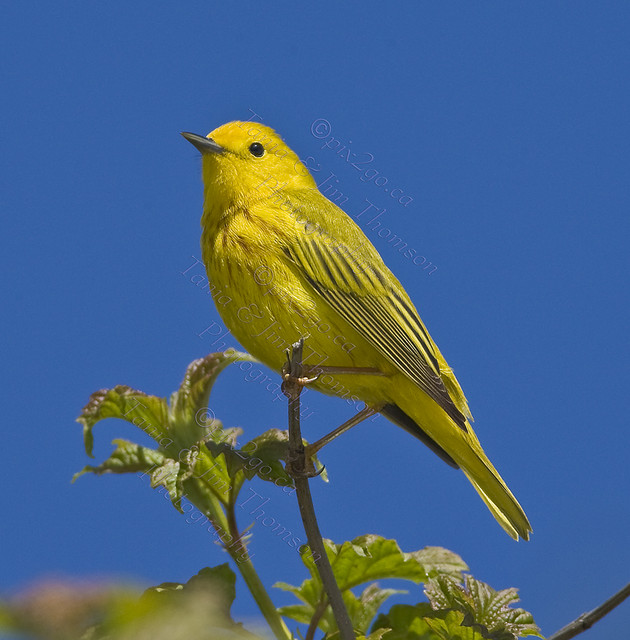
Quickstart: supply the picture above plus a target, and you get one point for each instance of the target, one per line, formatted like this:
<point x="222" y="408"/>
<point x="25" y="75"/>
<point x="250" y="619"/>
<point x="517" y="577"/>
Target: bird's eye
<point x="256" y="149"/>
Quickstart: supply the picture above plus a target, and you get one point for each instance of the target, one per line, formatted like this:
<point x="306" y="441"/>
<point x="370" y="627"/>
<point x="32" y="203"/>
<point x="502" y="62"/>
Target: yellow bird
<point x="290" y="263"/>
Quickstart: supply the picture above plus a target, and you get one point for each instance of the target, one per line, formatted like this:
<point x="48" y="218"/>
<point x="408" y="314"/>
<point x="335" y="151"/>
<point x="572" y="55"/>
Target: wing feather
<point x="368" y="297"/>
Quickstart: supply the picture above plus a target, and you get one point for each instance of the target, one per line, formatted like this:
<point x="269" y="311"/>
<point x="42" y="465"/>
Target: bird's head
<point x="242" y="161"/>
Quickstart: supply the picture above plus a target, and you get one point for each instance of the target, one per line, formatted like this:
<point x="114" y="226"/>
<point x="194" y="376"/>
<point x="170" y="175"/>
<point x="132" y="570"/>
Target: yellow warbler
<point x="291" y="263"/>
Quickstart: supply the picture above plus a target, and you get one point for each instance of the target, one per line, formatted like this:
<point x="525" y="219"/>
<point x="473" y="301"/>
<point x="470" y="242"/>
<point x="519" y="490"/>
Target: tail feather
<point x="460" y="448"/>
<point x="515" y="524"/>
<point x="495" y="493"/>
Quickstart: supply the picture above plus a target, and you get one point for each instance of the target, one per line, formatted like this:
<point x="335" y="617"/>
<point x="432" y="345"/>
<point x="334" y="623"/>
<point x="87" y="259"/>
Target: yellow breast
<point x="267" y="305"/>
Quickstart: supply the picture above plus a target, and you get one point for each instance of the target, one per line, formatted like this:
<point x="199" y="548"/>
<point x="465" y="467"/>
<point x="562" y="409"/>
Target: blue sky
<point x="506" y="127"/>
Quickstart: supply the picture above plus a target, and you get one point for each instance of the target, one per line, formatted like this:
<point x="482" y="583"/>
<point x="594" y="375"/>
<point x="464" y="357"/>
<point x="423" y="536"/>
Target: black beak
<point x="204" y="145"/>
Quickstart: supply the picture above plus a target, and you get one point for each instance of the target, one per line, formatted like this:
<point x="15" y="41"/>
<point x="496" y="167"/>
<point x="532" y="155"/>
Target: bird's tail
<point x="498" y="498"/>
<point x="461" y="449"/>
<point x="489" y="485"/>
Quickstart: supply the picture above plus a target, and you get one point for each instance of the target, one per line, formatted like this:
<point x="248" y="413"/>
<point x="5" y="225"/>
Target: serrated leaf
<point x="216" y="470"/>
<point x="449" y="625"/>
<point x="189" y="404"/>
<point x="200" y="376"/>
<point x="179" y="422"/>
<point x="302" y="613"/>
<point x="440" y="561"/>
<point x="128" y="457"/>
<point x="406" y="622"/>
<point x="170" y="475"/>
<point x="147" y="412"/>
<point x="269" y="449"/>
<point x="263" y="457"/>
<point x="375" y="635"/>
<point x="260" y="457"/>
<point x="365" y="559"/>
<point x="363" y="609"/>
<point x="308" y="592"/>
<point x="489" y="611"/>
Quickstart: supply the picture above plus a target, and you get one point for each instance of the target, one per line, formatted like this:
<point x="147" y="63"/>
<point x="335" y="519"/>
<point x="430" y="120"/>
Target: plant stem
<point x="317" y="616"/>
<point x="210" y="505"/>
<point x="292" y="387"/>
<point x="263" y="600"/>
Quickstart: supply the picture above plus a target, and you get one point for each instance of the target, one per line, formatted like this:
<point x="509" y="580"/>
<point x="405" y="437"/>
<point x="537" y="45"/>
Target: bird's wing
<point x="351" y="277"/>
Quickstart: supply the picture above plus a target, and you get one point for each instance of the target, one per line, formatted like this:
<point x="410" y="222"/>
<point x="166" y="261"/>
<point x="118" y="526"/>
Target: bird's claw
<point x="293" y="386"/>
<point x="309" y="472"/>
<point x="303" y="381"/>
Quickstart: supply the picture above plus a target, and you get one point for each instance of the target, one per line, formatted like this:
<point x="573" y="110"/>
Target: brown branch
<point x="297" y="467"/>
<point x="587" y="620"/>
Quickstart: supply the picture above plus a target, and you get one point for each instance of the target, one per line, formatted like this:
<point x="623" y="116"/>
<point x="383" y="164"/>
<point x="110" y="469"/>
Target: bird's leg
<point x="312" y="373"/>
<point x="292" y="386"/>
<point x="318" y="370"/>
<point x="364" y="414"/>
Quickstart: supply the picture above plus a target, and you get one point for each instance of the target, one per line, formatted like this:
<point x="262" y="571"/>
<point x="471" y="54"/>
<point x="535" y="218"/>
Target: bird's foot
<point x="309" y="471"/>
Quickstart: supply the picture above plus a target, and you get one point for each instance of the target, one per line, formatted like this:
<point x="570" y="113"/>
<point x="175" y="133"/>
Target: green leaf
<point x="147" y="412"/>
<point x="363" y="609"/>
<point x="220" y="581"/>
<point x="171" y="475"/>
<point x="421" y="622"/>
<point x="269" y="449"/>
<point x="440" y="561"/>
<point x="308" y="592"/>
<point x="406" y="622"/>
<point x="59" y="610"/>
<point x="260" y="457"/>
<point x="180" y="431"/>
<point x="213" y="588"/>
<point x="449" y="625"/>
<point x="299" y="612"/>
<point x="128" y="457"/>
<point x="185" y="422"/>
<point x="489" y="611"/>
<point x="214" y="467"/>
<point x="375" y="635"/>
<point x="371" y="557"/>
<point x="263" y="457"/>
<point x="189" y="413"/>
<point x="365" y="559"/>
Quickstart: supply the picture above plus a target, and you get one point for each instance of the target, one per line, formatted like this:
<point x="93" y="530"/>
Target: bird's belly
<point x="266" y="318"/>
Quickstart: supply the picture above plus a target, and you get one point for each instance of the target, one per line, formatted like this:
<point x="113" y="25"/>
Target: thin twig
<point x="232" y="524"/>
<point x="587" y="620"/>
<point x="317" y="616"/>
<point x="292" y="388"/>
<point x="210" y="505"/>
